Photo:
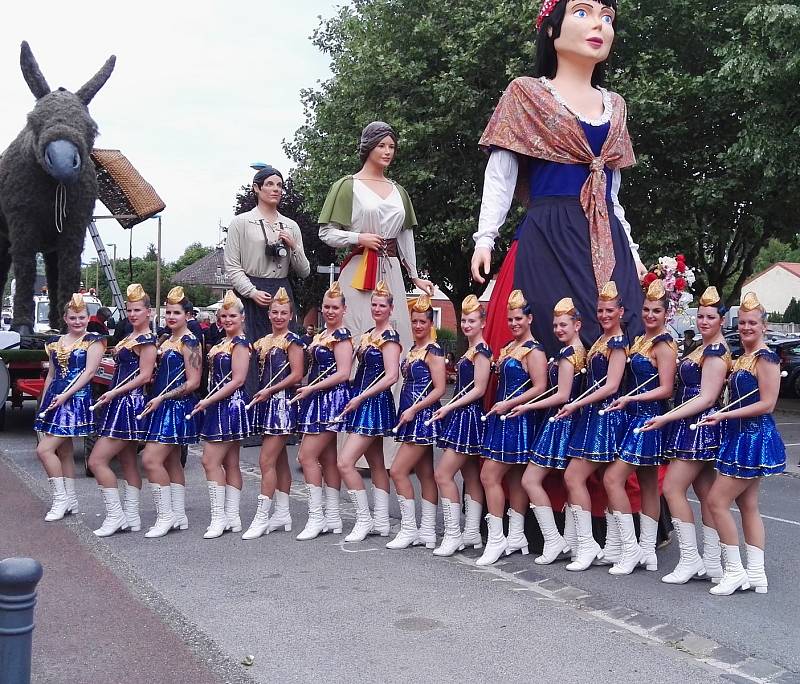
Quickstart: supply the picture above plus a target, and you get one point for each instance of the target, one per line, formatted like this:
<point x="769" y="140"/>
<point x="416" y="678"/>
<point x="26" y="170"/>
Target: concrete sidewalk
<point x="90" y="627"/>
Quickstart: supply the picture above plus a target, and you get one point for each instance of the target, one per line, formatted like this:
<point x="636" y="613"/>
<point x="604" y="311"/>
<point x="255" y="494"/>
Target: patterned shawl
<point x="529" y="120"/>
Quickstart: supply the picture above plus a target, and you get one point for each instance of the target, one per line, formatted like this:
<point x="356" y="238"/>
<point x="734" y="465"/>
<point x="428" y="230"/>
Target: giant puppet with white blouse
<point x="373" y="217"/>
<point x="559" y="141"/>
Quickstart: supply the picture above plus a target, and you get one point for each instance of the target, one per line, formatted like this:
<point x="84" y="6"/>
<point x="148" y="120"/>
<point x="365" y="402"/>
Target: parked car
<point x="789" y="351"/>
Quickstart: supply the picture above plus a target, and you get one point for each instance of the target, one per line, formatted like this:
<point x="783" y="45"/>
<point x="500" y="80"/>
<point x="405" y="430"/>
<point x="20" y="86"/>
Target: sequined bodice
<point x="370" y="367"/>
<point x="416" y="376"/>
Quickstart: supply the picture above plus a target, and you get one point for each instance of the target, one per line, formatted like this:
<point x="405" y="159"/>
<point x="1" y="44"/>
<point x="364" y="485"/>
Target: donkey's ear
<point x="31" y="72"/>
<point x="87" y="91"/>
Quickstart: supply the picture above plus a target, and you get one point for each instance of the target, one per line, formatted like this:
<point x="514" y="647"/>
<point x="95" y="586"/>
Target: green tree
<point x="773" y="252"/>
<point x="792" y="313"/>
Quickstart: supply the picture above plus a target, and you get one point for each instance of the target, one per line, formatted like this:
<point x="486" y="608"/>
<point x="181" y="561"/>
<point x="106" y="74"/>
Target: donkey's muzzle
<point x="62" y="161"/>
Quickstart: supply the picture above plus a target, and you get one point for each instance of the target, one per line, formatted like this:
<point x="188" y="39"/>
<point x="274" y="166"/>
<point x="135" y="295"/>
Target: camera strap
<point x="264" y="230"/>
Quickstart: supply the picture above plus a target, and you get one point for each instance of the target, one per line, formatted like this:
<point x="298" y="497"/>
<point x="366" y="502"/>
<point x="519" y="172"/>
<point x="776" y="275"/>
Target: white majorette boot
<point x="631" y="556"/>
<point x="316" y="517"/>
<point x="735" y="576"/>
<point x="496" y="542"/>
<point x="178" y="493"/>
<point x="554" y="544"/>
<point x="219" y="521"/>
<point x="570" y="533"/>
<point x="516" y="541"/>
<point x="472" y="523"/>
<point x="755" y="569"/>
<point x="427" y="524"/>
<point x="648" y="532"/>
<point x="712" y="556"/>
<point x="588" y="548"/>
<point x="164" y="517"/>
<point x="232" y="497"/>
<point x="333" y="516"/>
<point x="281" y="517"/>
<point x="380" y="512"/>
<point x="130" y="505"/>
<point x="260" y="519"/>
<point x="72" y="498"/>
<point x="364" y="522"/>
<point x="612" y="551"/>
<point x="115" y="517"/>
<point x="689" y="564"/>
<point x="58" y="509"/>
<point x="452" y="540"/>
<point x="408" y="534"/>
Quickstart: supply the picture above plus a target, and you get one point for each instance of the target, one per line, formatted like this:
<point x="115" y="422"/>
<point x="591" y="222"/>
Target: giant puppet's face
<point x="587" y="31"/>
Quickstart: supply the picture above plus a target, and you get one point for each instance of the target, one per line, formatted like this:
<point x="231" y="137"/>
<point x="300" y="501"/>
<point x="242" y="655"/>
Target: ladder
<point x="108" y="269"/>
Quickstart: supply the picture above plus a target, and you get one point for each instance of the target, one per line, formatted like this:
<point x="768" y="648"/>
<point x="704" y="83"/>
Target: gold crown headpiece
<point x="421" y="304"/>
<point x="656" y="291"/>
<point x="565" y="307"/>
<point x="609" y="292"/>
<point x="516" y="300"/>
<point x="750" y="303"/>
<point x="135" y="293"/>
<point x="382" y="289"/>
<point x="334" y="291"/>
<point x="76" y="303"/>
<point x="231" y="301"/>
<point x="710" y="297"/>
<point x="175" y="295"/>
<point x="281" y="296"/>
<point x="470" y="304"/>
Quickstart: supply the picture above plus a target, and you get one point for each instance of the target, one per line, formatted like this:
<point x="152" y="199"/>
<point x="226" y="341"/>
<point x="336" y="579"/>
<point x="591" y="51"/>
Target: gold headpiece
<point x="750" y="303"/>
<point x="135" y="293"/>
<point x="231" y="301"/>
<point x="382" y="289"/>
<point x="710" y="297"/>
<point x="609" y="292"/>
<point x="516" y="300"/>
<point x="281" y="296"/>
<point x="421" y="304"/>
<point x="470" y="304"/>
<point x="175" y="295"/>
<point x="656" y="291"/>
<point x="76" y="303"/>
<point x="334" y="291"/>
<point x="565" y="307"/>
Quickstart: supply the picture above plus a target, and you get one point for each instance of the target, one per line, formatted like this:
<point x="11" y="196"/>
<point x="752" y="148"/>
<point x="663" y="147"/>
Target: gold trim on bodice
<point x="644" y="346"/>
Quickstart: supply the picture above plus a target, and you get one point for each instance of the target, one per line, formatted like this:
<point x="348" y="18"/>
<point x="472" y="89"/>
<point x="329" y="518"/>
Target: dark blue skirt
<point x="227" y="420"/>
<point x="168" y="424"/>
<point x="463" y="430"/>
<point x="554" y="261"/>
<point x="119" y="420"/>
<point x="375" y="417"/>
<point x="752" y="447"/>
<point x="317" y="412"/>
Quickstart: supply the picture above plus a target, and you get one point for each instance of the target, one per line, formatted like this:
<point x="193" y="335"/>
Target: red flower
<point x="649" y="278"/>
<point x="680" y="257"/>
<point x="680" y="284"/>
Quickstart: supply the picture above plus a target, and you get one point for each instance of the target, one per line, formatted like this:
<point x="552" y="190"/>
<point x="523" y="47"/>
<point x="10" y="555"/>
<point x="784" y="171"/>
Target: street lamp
<point x="114" y="245"/>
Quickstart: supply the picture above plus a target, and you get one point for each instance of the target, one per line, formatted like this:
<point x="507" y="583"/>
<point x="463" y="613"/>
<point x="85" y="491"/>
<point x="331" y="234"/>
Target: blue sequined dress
<point x="751" y="447"/>
<point x="275" y="416"/>
<point x="462" y="429"/>
<point x="644" y="448"/>
<point x="595" y="437"/>
<point x="551" y="447"/>
<point x="168" y="424"/>
<point x="227" y="420"/>
<point x="317" y="412"/>
<point x="376" y="416"/>
<point x="119" y="420"/>
<point x="510" y="441"/>
<point x="701" y="444"/>
<point x="73" y="419"/>
<point x="417" y="384"/>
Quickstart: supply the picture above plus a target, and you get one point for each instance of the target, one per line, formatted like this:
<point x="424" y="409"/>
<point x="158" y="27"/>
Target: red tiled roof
<point x="792" y="267"/>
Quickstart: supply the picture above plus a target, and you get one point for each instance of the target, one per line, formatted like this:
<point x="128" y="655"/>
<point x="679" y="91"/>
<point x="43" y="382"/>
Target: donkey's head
<point x="62" y="131"/>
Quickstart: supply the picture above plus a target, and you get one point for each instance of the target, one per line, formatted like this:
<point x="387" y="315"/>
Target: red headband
<point x="547" y="8"/>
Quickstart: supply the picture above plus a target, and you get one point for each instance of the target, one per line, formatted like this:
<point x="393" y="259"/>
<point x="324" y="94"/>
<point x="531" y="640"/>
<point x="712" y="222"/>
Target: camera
<point x="277" y="250"/>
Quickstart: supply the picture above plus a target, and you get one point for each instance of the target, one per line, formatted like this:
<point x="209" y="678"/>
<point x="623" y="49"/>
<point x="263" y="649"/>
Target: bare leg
<point x="532" y="480"/>
<point x="354" y="448"/>
<point x="104" y="450"/>
<point x="702" y="486"/>
<point x="404" y="462"/>
<point x="680" y="475"/>
<point x="424" y="472"/>
<point x="233" y="473"/>
<point x="492" y="475"/>
<point x="213" y="455"/>
<point x="47" y="451"/>
<point x="648" y="490"/>
<point x="327" y="458"/>
<point x="614" y="479"/>
<point x="282" y="469"/>
<point x="445" y="473"/>
<point x="723" y="493"/>
<point x="309" y="456"/>
<point x="271" y="448"/>
<point x="577" y="473"/>
<point x="517" y="496"/>
<point x="174" y="467"/>
<point x="66" y="454"/>
<point x="130" y="470"/>
<point x="154" y="456"/>
<point x="752" y="523"/>
<point x="377" y="466"/>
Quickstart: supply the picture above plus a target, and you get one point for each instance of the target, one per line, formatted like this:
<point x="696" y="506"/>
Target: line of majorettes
<point x="579" y="413"/>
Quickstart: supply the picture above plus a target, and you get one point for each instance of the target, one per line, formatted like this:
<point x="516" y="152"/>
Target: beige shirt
<point x="245" y="253"/>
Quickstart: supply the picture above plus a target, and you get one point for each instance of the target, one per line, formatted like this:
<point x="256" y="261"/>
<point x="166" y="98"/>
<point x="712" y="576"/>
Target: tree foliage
<point x="712" y="111"/>
<point x="792" y="313"/>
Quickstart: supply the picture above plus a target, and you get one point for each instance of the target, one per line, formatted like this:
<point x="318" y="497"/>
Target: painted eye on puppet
<point x="581" y="13"/>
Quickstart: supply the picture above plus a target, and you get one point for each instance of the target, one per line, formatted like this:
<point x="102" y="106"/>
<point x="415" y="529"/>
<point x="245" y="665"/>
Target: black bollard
<point x="18" y="580"/>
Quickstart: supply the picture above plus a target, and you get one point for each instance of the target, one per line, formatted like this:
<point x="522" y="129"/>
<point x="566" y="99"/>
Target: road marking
<point x="768" y="517"/>
<point x="792" y="444"/>
<point x="787" y="423"/>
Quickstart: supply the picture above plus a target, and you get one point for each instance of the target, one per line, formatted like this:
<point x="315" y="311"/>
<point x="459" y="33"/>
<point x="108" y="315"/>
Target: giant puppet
<point x="48" y="187"/>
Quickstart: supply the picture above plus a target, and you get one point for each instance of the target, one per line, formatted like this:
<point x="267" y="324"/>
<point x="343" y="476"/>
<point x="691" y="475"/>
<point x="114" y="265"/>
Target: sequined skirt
<point x="227" y="420"/>
<point x="509" y="441"/>
<point x="119" y="420"/>
<point x="702" y="444"/>
<point x="643" y="448"/>
<point x="375" y="416"/>
<point x="462" y="430"/>
<point x="416" y="431"/>
<point x="316" y="413"/>
<point x="73" y="419"/>
<point x="168" y="424"/>
<point x="595" y="437"/>
<point x="276" y="416"/>
<point x="552" y="445"/>
<point x="751" y="447"/>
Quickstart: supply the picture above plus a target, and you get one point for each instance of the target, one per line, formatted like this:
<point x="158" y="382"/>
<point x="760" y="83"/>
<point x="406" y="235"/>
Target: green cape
<point x="338" y="207"/>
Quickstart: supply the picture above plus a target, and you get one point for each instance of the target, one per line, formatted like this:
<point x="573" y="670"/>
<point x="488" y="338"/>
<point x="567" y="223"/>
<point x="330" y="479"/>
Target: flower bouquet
<point x="678" y="280"/>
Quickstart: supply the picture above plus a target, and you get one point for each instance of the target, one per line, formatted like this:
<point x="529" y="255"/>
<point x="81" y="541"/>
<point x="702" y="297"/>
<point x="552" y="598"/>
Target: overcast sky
<point x="200" y="90"/>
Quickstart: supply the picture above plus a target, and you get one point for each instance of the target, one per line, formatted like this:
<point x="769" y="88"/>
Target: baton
<point x="544" y="394"/>
<point x="162" y="392"/>
<point x="43" y="413"/>
<point x="602" y="412"/>
<point x="119" y="384"/>
<point x="415" y="402"/>
<point x="270" y="383"/>
<point x="217" y="387"/>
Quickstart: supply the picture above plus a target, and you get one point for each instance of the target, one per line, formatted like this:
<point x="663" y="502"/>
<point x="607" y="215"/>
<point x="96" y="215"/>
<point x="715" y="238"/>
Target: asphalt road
<point x="325" y="611"/>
